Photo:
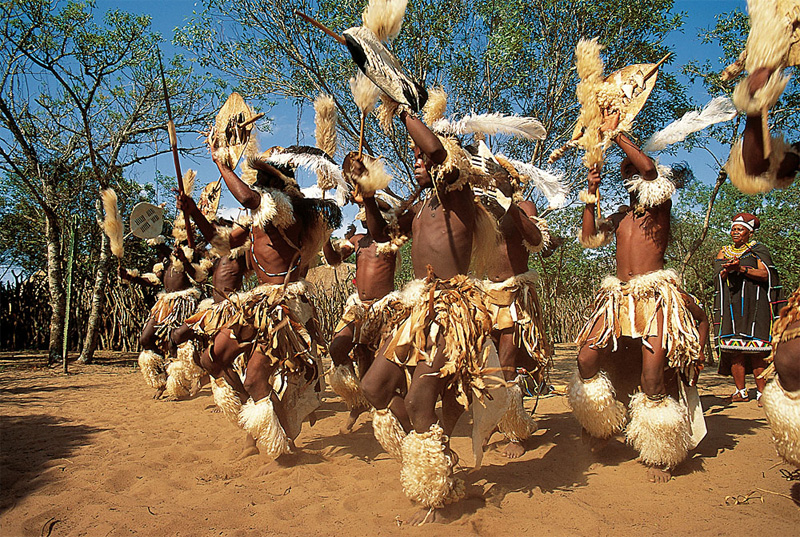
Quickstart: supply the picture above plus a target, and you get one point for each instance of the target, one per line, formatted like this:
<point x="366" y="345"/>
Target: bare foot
<point x="658" y="475"/>
<point x="159" y="392"/>
<point x="425" y="516"/>
<point x="248" y="451"/>
<point x="514" y="450"/>
<point x="284" y="461"/>
<point x="351" y="420"/>
<point x="596" y="445"/>
<point x="250" y="448"/>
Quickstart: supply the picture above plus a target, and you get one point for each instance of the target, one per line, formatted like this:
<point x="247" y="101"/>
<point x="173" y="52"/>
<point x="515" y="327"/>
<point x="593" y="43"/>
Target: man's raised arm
<point x="245" y="195"/>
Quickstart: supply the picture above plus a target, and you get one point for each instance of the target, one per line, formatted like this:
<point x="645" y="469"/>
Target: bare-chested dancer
<point x="438" y="323"/>
<point x="177" y="274"/>
<point x="375" y="269"/>
<point x="642" y="302"/>
<point x="517" y="330"/>
<point x="227" y="275"/>
<point x="754" y="173"/>
<point x="274" y="324"/>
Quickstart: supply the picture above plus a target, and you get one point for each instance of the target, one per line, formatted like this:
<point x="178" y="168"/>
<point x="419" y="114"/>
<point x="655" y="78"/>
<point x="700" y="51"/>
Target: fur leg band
<point x="594" y="406"/>
<point x="755" y="184"/>
<point x="226" y="399"/>
<point x="347" y="386"/>
<point x="261" y="421"/>
<point x="388" y="432"/>
<point x="153" y="370"/>
<point x="658" y="430"/>
<point x="427" y="469"/>
<point x="783" y="414"/>
<point x="516" y="425"/>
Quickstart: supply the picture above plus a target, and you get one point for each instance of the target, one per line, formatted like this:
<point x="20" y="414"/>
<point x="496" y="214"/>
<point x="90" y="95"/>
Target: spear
<point x="173" y="142"/>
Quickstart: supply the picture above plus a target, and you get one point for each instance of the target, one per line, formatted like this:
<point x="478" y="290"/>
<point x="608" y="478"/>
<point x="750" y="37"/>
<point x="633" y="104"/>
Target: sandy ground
<point x="91" y="454"/>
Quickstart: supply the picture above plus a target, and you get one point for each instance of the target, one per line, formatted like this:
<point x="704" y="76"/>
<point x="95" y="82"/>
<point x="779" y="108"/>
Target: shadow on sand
<point x="34" y="447"/>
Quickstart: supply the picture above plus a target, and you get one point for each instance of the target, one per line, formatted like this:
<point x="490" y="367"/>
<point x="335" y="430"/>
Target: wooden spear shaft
<point x="321" y="26"/>
<point x="173" y="142"/>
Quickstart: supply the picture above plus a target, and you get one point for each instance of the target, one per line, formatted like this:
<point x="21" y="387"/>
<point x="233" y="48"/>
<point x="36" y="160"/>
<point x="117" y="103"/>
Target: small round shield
<point x="147" y="220"/>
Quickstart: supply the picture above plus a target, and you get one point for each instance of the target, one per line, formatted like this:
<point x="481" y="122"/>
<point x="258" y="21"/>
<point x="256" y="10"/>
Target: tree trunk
<point x="92" y="324"/>
<point x="55" y="284"/>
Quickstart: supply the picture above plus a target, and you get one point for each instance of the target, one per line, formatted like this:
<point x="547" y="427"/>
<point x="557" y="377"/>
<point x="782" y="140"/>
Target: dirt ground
<point x="90" y="453"/>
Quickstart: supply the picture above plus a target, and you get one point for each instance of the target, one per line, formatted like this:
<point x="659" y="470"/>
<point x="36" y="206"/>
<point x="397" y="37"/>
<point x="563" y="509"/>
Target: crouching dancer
<point x="179" y="299"/>
<point x="642" y="302"/>
<point x="273" y="326"/>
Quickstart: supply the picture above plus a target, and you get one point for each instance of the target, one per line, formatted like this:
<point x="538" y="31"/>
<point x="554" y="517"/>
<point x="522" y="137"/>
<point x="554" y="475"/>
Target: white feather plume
<point x="718" y="110"/>
<point x="316" y="164"/>
<point x="385" y="17"/>
<point x="365" y="92"/>
<point x="493" y="123"/>
<point x="550" y="184"/>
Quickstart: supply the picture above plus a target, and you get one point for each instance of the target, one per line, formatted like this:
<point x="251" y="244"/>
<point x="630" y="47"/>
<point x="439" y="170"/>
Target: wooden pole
<point x="70" y="263"/>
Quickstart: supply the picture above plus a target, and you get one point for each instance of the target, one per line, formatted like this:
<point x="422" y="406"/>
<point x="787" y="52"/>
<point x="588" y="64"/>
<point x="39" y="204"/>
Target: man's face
<point x="421" y="172"/>
<point x="739" y="234"/>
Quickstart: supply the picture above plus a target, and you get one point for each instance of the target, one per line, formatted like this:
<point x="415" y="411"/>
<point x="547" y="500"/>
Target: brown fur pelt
<point x="112" y="224"/>
<point x="485" y="239"/>
<point x="590" y="71"/>
<point x="386" y="112"/>
<point x="789" y="315"/>
<point x="325" y="123"/>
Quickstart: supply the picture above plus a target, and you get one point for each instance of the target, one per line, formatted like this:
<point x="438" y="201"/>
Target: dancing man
<point x="273" y="326"/>
<point x="376" y="264"/>
<point x="642" y="302"/>
<point x="436" y="327"/>
<point x="517" y="325"/>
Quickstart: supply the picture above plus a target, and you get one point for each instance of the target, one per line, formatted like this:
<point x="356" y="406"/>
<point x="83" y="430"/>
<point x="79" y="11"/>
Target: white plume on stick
<point x="385" y="17"/>
<point x="719" y="109"/>
<point x="365" y="92"/>
<point x="493" y="123"/>
<point x="550" y="184"/>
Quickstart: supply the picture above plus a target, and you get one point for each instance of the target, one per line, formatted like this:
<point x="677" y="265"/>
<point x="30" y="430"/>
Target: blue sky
<point x="170" y="14"/>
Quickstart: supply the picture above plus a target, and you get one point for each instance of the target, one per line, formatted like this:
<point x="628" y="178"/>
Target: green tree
<point x="80" y="101"/>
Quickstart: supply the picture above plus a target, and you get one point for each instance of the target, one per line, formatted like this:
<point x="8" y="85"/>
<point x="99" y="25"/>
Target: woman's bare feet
<point x="514" y="450"/>
<point x="159" y="392"/>
<point x="658" y="475"/>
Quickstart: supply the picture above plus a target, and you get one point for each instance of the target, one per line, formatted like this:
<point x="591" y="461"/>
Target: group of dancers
<point x="468" y="330"/>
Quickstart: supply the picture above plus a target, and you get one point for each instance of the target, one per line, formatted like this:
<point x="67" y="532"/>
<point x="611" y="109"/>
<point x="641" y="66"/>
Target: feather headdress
<point x="550" y="184"/>
<point x="385" y="18"/>
<point x="718" y="110"/>
<point x="112" y="224"/>
<point x="493" y="123"/>
<point x="310" y="158"/>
